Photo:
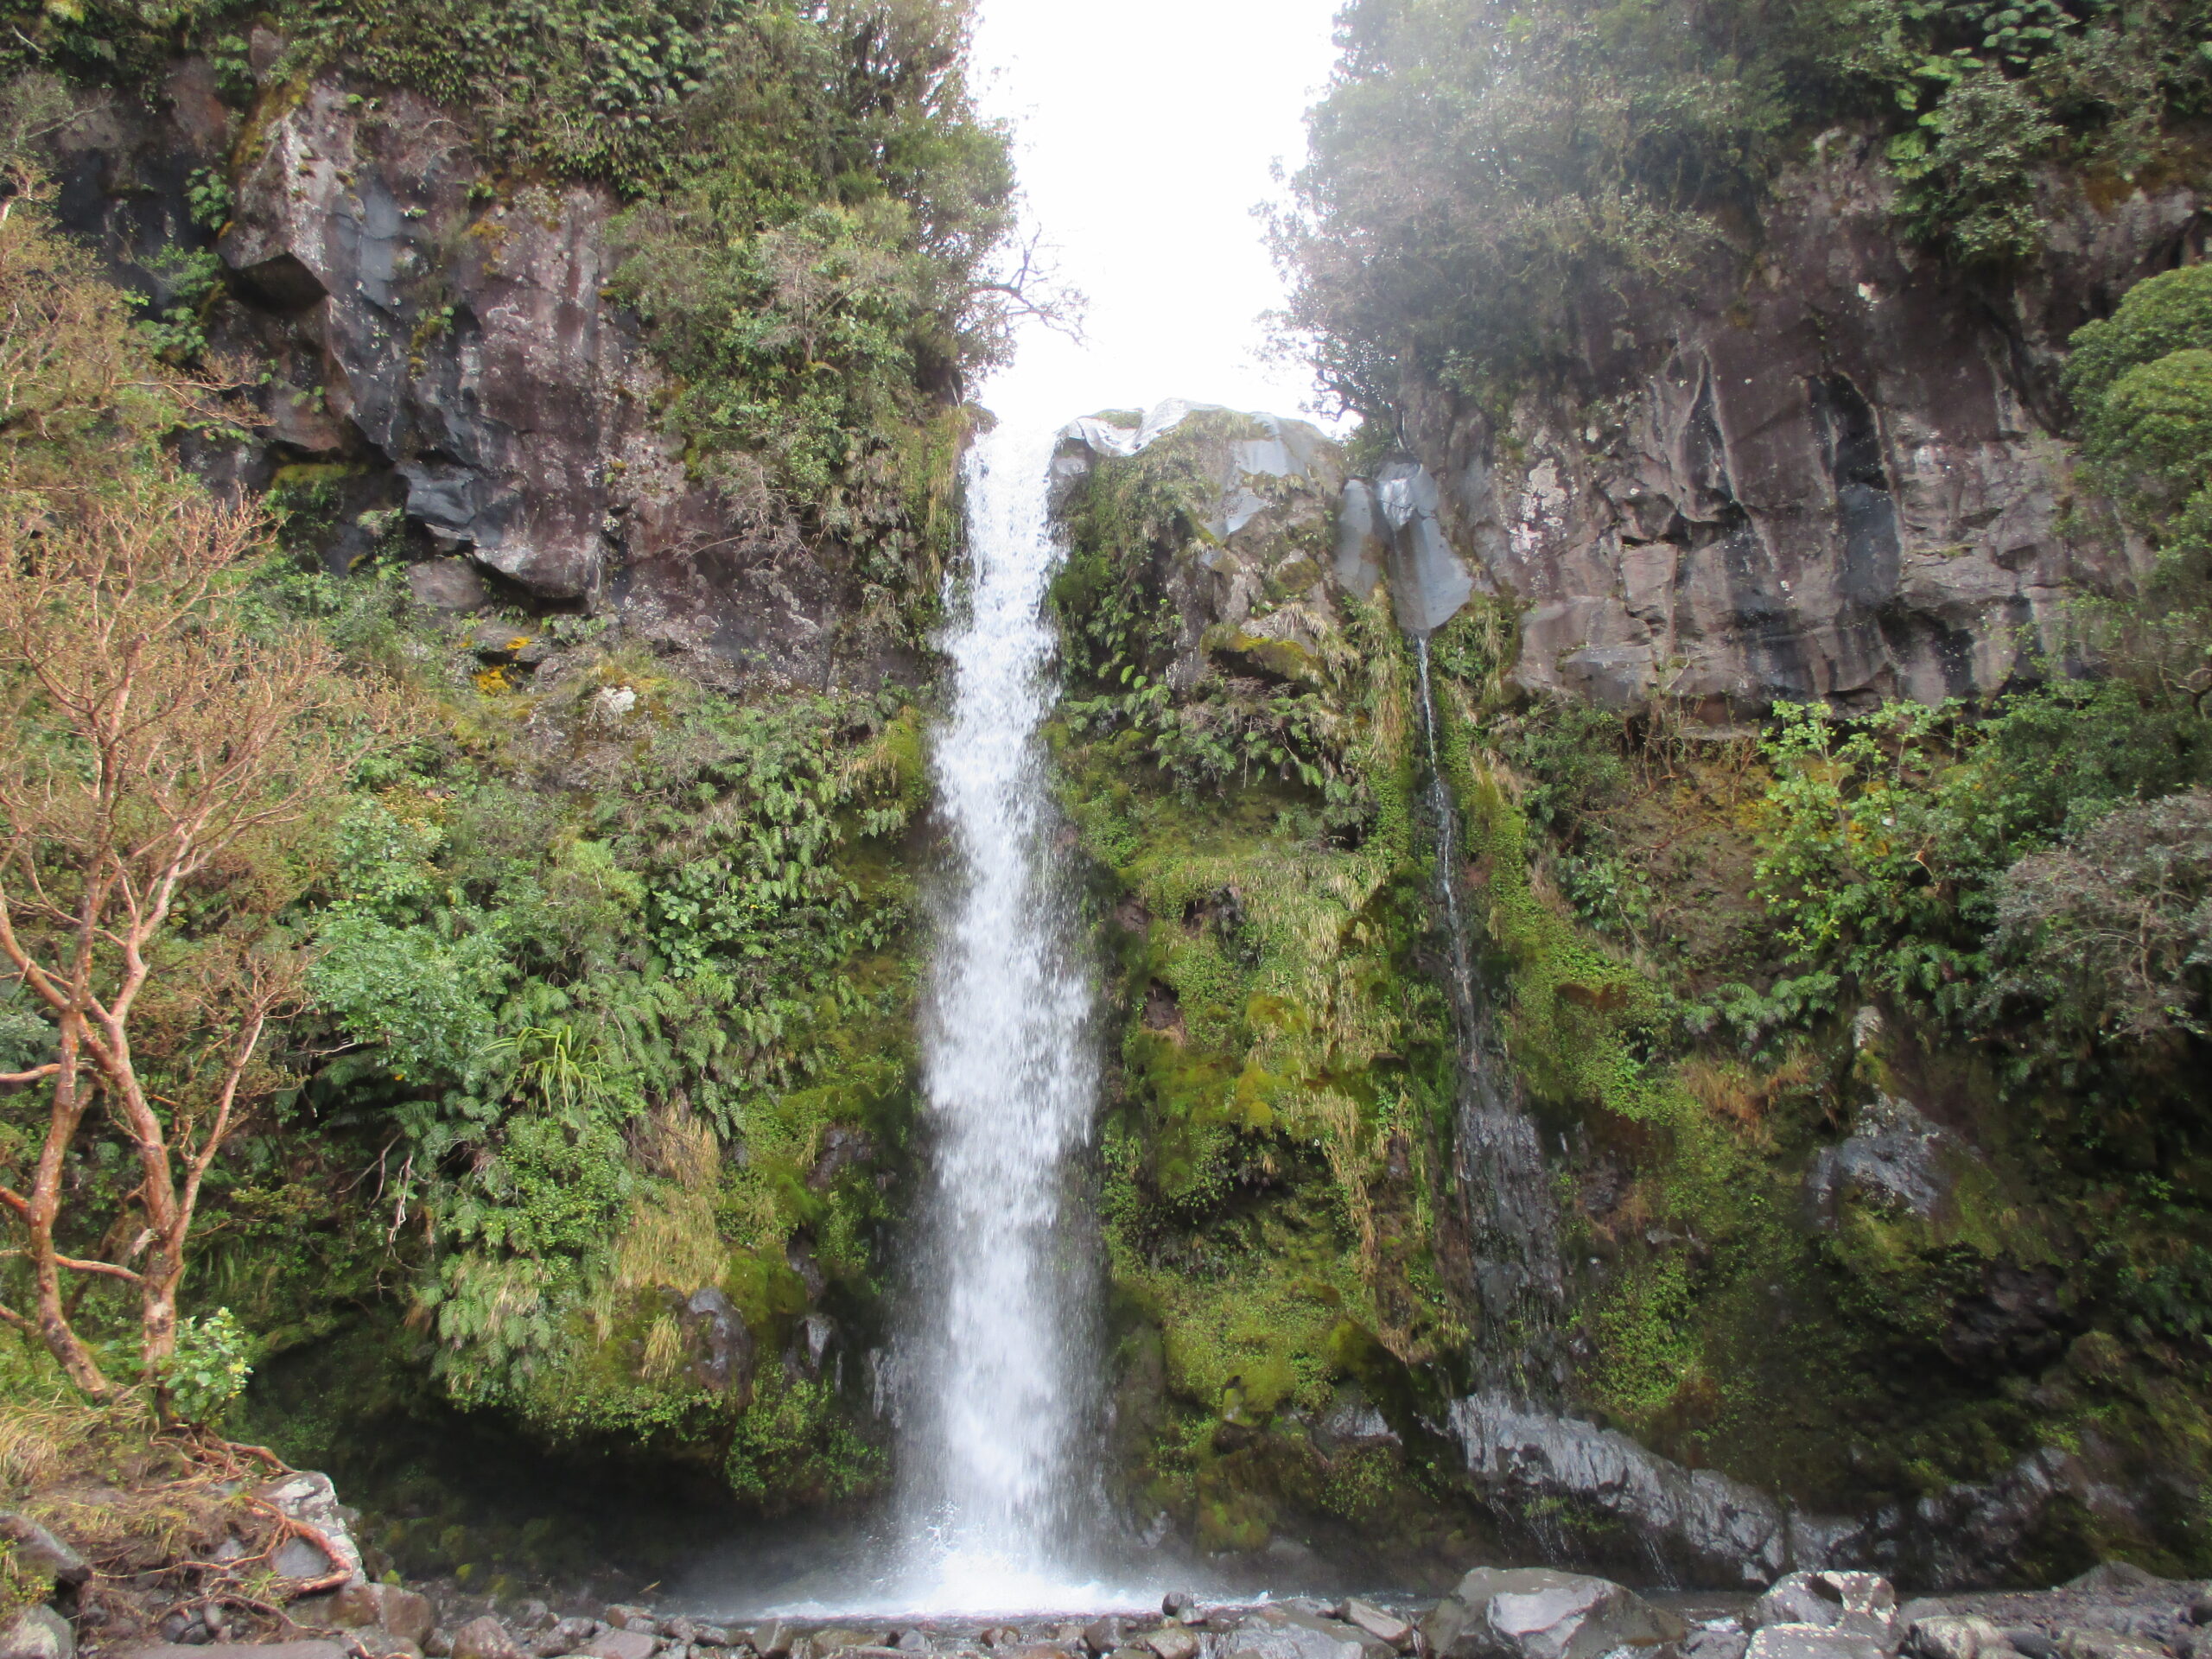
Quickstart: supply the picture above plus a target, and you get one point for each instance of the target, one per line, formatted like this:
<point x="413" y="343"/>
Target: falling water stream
<point x="1000" y="1369"/>
<point x="1505" y="1187"/>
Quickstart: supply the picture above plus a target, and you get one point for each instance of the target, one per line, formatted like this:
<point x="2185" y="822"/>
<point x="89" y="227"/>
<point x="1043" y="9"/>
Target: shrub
<point x="2108" y="938"/>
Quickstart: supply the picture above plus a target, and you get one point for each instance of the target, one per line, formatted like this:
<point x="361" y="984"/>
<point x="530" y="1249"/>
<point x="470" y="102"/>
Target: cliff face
<point x="1833" y="476"/>
<point x="1807" y="1281"/>
<point x="435" y="346"/>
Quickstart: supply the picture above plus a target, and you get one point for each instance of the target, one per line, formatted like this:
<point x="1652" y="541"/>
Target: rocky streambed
<point x="288" y="1582"/>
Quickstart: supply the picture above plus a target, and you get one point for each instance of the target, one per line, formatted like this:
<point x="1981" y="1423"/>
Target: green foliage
<point x="1968" y="166"/>
<point x="209" y="1368"/>
<point x="189" y="282"/>
<point x="2170" y="311"/>
<point x="2155" y="422"/>
<point x="1882" y="841"/>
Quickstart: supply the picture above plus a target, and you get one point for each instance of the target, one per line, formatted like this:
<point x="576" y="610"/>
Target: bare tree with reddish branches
<point x="159" y="750"/>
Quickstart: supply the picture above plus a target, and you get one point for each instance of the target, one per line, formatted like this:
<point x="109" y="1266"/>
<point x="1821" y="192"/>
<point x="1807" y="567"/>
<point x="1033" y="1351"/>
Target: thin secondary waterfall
<point x="1001" y="1371"/>
<point x="1504" y="1186"/>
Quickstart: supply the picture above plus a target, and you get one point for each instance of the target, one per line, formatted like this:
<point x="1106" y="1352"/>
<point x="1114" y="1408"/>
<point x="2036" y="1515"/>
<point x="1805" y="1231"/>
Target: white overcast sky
<point x="1144" y="133"/>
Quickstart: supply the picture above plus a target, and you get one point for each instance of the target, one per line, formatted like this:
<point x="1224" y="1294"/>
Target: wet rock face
<point x="1834" y="480"/>
<point x="456" y="354"/>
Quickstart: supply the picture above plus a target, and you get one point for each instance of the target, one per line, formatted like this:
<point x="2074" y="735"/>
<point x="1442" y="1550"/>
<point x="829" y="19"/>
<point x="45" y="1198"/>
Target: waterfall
<point x="1000" y="1353"/>
<point x="1504" y="1185"/>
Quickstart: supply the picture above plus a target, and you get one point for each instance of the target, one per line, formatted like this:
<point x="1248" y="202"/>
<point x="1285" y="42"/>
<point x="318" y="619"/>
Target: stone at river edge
<point x="1851" y="1604"/>
<point x="486" y="1638"/>
<point x="38" y="1633"/>
<point x="1536" y="1613"/>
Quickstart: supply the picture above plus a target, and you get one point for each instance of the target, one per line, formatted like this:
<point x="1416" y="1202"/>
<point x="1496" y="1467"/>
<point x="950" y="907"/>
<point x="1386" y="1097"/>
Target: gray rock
<point x="295" y="1558"/>
<point x="307" y="1497"/>
<point x="1843" y="486"/>
<point x="403" y="1613"/>
<point x="452" y="586"/>
<point x="625" y="1644"/>
<point x="1716" y="1644"/>
<point x="37" y="1548"/>
<point x="1101" y="1635"/>
<point x="1950" y="1636"/>
<point x="2028" y="1640"/>
<point x="1895" y="1159"/>
<point x="1857" y="1604"/>
<point x="1174" y="1642"/>
<point x="1382" y="1626"/>
<point x="486" y="1638"/>
<point x="846" y="1639"/>
<point x="723" y="1345"/>
<point x="1708" y="1527"/>
<point x="1812" y="1641"/>
<point x="38" y="1633"/>
<point x="1178" y="1603"/>
<point x="1428" y="581"/>
<point x="1537" y="1613"/>
<point x="1285" y="1633"/>
<point x="773" y="1639"/>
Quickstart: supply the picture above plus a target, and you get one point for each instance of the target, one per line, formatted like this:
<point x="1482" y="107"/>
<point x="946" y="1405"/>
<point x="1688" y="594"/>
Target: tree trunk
<point x="40" y="1213"/>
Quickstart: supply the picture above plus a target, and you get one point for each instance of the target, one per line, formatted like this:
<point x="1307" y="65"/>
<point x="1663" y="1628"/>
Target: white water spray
<point x="1002" y="1372"/>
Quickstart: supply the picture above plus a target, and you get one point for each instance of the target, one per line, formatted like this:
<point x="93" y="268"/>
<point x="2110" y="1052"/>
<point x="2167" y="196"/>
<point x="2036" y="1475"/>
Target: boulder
<point x="1178" y="1603"/>
<point x="625" y="1645"/>
<point x="452" y="586"/>
<point x="402" y="1613"/>
<point x="1951" y="1636"/>
<point x="1705" y="1527"/>
<point x="1895" y="1159"/>
<point x="1101" y="1635"/>
<point x="1725" y="1644"/>
<point x="486" y="1638"/>
<point x="39" y="1548"/>
<point x="847" y="1640"/>
<point x="38" y="1633"/>
<point x="1855" y="1604"/>
<point x="1538" y="1613"/>
<point x="773" y="1639"/>
<point x="1174" y="1642"/>
<point x="1812" y="1641"/>
<point x="308" y="1498"/>
<point x="1290" y="1632"/>
<point x="1383" y="1626"/>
